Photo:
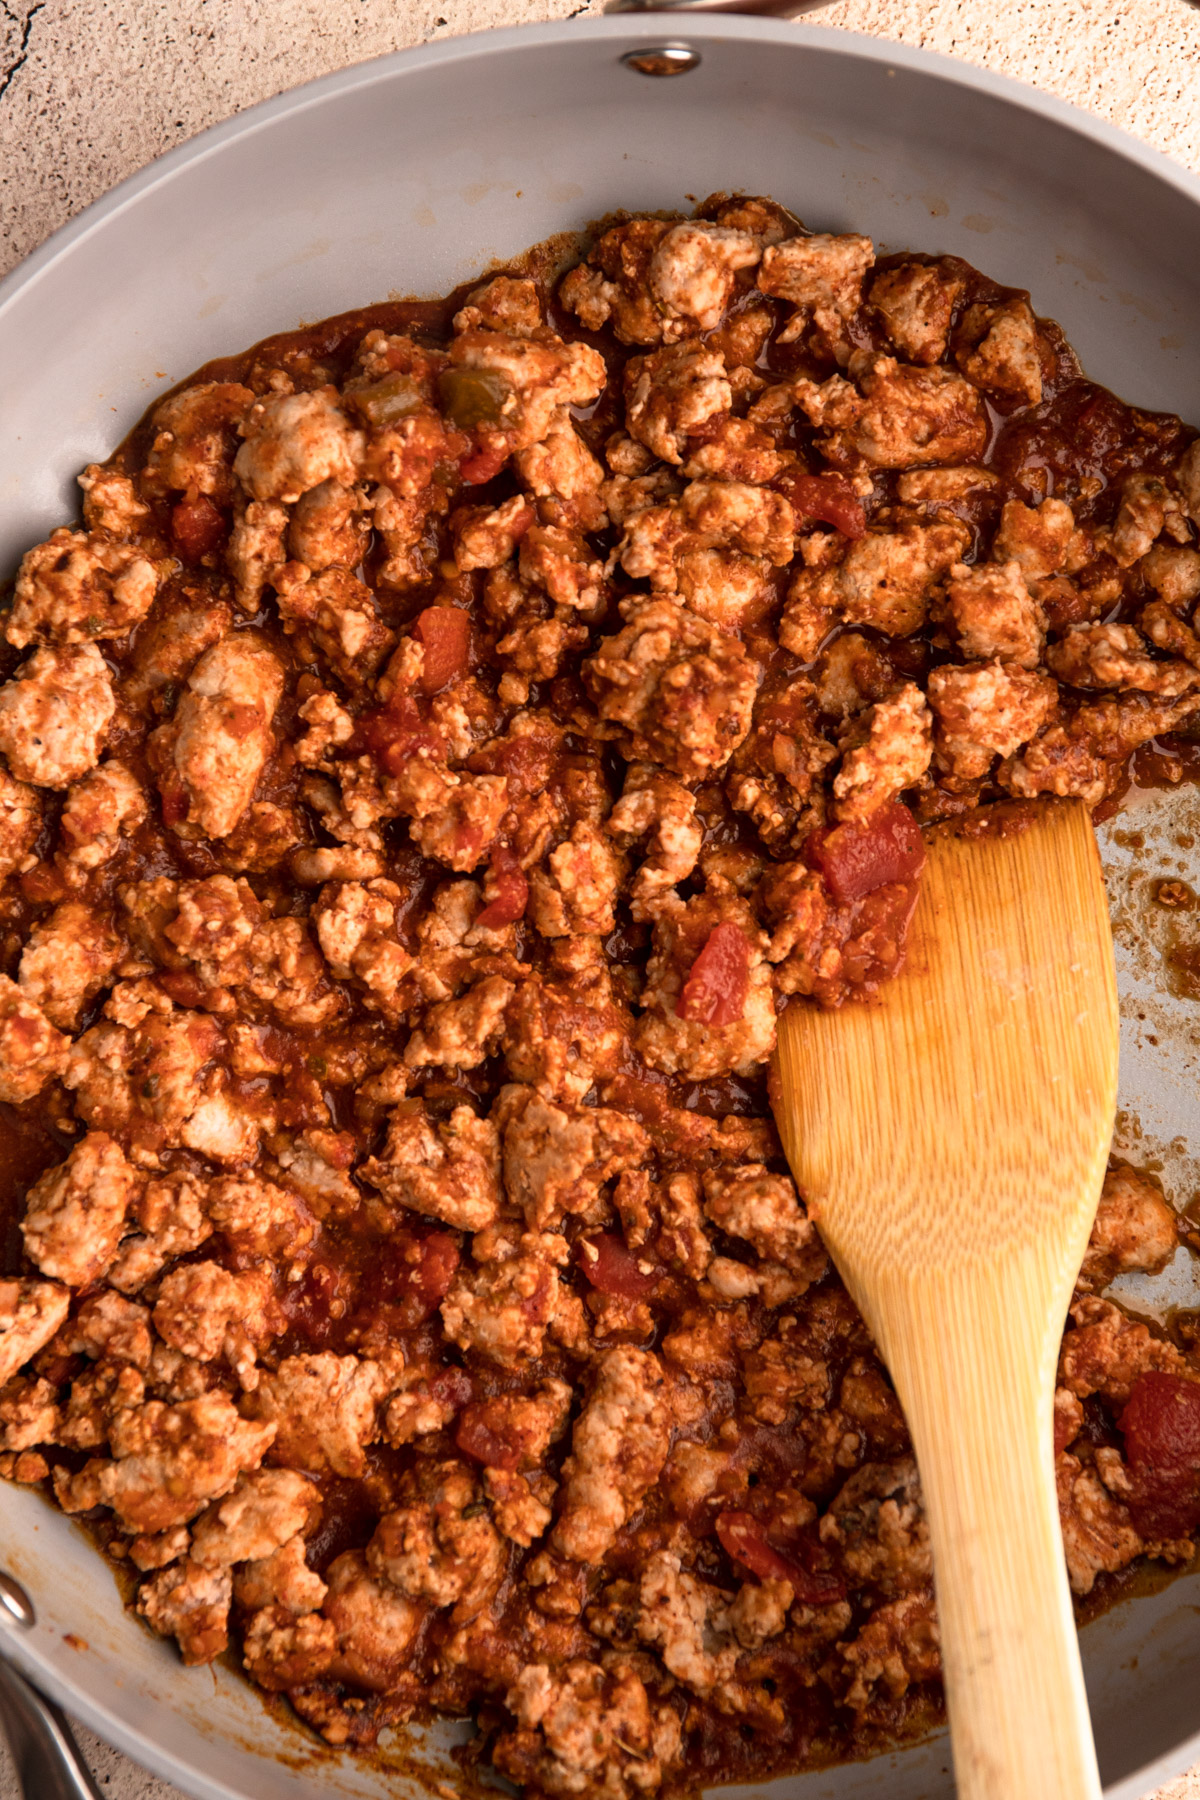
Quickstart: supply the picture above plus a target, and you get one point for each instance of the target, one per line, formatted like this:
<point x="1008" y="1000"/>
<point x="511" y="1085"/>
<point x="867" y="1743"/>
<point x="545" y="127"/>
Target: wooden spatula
<point x="951" y="1142"/>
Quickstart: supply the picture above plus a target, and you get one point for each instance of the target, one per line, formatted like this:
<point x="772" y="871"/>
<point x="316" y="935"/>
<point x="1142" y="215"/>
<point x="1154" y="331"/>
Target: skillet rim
<point x="707" y="29"/>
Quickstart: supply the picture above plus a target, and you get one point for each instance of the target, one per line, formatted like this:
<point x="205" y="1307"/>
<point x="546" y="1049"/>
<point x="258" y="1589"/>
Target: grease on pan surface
<point x="454" y="731"/>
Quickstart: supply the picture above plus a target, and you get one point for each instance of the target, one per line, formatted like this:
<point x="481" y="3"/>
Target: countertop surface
<point x="90" y="90"/>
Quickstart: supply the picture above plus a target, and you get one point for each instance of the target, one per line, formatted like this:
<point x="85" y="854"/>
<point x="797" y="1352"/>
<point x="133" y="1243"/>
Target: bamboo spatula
<point x="951" y="1142"/>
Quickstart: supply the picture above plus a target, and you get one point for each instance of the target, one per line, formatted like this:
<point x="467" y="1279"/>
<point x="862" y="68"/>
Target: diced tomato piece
<point x="315" y="1305"/>
<point x="480" y="1435"/>
<point x="412" y="1274"/>
<point x="857" y="859"/>
<point x="395" y="733"/>
<point x="707" y="431"/>
<point x="509" y="890"/>
<point x="529" y="763"/>
<point x="176" y="802"/>
<point x="452" y="1387"/>
<point x="197" y="528"/>
<point x="827" y="498"/>
<point x="1161" y="1427"/>
<point x="716" y="988"/>
<point x="482" y="465"/>
<point x="612" y="1268"/>
<point x="436" y="1268"/>
<point x="874" y="951"/>
<point x="445" y="634"/>
<point x="744" y="1540"/>
<point x="44" y="883"/>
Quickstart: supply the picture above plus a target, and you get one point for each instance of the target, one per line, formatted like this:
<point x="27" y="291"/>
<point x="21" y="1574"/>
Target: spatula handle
<point x="974" y="1372"/>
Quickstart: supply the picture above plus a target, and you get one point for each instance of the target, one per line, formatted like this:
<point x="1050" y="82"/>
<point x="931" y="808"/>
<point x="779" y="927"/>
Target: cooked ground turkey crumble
<point x="454" y="732"/>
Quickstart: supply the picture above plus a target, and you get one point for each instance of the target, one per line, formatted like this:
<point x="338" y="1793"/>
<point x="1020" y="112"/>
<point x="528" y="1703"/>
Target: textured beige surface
<point x="90" y="90"/>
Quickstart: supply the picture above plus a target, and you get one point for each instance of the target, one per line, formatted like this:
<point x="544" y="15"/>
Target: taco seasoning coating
<point x="449" y="736"/>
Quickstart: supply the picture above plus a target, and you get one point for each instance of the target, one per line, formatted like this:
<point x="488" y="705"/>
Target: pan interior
<point x="410" y="175"/>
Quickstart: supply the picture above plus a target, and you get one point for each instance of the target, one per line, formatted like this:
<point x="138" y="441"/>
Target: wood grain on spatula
<point x="951" y="1142"/>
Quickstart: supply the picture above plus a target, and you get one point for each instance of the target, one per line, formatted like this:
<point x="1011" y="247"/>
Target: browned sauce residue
<point x="485" y="714"/>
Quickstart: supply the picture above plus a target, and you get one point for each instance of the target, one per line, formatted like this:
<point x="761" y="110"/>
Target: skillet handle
<point x="776" y="9"/>
<point x="48" y="1761"/>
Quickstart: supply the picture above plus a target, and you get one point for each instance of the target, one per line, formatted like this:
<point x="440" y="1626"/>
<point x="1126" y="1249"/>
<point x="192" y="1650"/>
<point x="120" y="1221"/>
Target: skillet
<point x="408" y="175"/>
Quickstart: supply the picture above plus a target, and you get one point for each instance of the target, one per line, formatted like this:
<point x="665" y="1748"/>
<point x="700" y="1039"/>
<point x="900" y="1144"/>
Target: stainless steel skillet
<point x="408" y="175"/>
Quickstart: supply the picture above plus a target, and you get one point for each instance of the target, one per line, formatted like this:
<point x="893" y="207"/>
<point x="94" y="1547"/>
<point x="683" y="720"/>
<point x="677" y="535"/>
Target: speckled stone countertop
<point x="90" y="90"/>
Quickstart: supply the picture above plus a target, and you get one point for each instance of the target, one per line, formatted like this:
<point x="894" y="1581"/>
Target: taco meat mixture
<point x="452" y="733"/>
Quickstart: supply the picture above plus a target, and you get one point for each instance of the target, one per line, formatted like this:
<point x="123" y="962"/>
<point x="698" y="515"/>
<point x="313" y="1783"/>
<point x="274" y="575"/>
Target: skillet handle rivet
<point x="16" y="1601"/>
<point x="663" y="59"/>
